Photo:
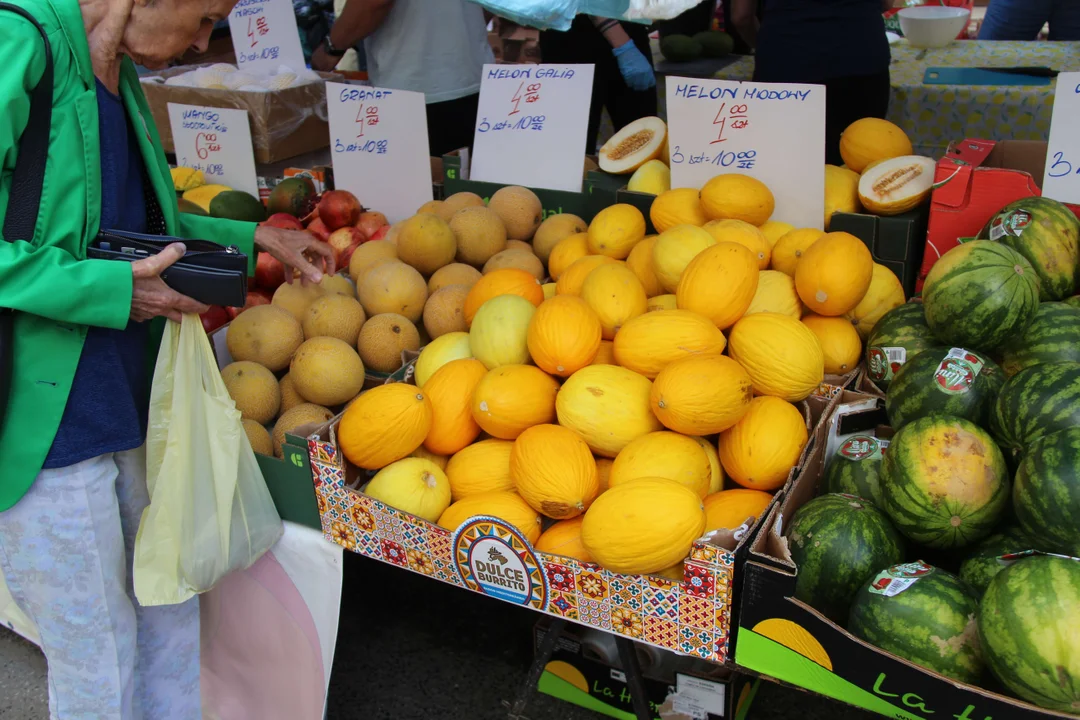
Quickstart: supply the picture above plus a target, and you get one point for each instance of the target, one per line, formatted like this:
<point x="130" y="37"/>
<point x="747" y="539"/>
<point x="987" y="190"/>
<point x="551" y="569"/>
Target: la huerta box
<point x="781" y="637"/>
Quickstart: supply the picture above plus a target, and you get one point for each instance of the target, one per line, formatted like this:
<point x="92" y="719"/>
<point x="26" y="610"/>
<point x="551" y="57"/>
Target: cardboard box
<point x="895" y="242"/>
<point x="980" y="177"/>
<point x="585" y="670"/>
<point x="284" y="123"/>
<point x="783" y="638"/>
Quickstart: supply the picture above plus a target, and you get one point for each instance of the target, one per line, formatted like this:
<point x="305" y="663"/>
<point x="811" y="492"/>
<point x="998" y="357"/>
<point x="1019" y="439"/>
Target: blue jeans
<point x="1023" y="19"/>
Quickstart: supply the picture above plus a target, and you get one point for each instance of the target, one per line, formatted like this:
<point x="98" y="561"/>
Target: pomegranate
<point x="338" y="209"/>
<point x="371" y="221"/>
<point x="285" y="221"/>
<point x="317" y="228"/>
<point x="344" y="241"/>
<point x="214" y="318"/>
<point x="269" y="272"/>
<point x="380" y="234"/>
<point x="254" y="297"/>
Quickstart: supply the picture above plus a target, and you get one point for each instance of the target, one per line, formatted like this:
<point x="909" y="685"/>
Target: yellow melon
<point x="258" y="437"/>
<point x="290" y="396"/>
<point x="701" y="395"/>
<point x="679" y="206"/>
<point x="782" y="356"/>
<point x="720" y="283"/>
<point x="452" y="274"/>
<point x="367" y="255"/>
<point x="666" y="455"/>
<point x="568" y="251"/>
<point x="554" y="230"/>
<point x="605" y="354"/>
<point x="789" y="249"/>
<point x="327" y="371"/>
<point x="640" y="262"/>
<point x="520" y="210"/>
<point x="295" y="418"/>
<point x="652" y="178"/>
<point x="730" y="509"/>
<point x="514" y="258"/>
<point x="775" y="293"/>
<point x="424" y="454"/>
<point x="662" y="302"/>
<point x="554" y="471"/>
<point x="254" y="389"/>
<point x="633" y="145"/>
<point x="760" y="450"/>
<point x="509" y="281"/>
<point x="550" y="290"/>
<point x="444" y="311"/>
<point x="512" y="398"/>
<point x="564" y="539"/>
<point x="458" y="201"/>
<point x="743" y="233"/>
<point x="673" y="251"/>
<point x="426" y="242"/>
<point x="571" y="279"/>
<point x="507" y="506"/>
<point x="431" y="207"/>
<point x="564" y="335"/>
<point x="499" y="332"/>
<point x="296" y="298"/>
<point x="643" y="526"/>
<point x="603" y="472"/>
<point x="384" y="424"/>
<point x="393" y="287"/>
<point x="649" y="342"/>
<point x="841" y="192"/>
<point x="450" y="392"/>
<point x="616" y="230"/>
<point x="445" y="348"/>
<point x="608" y="406"/>
<point x="895" y="186"/>
<point x="834" y="274"/>
<point x="334" y="315"/>
<point x="737" y="197"/>
<point x="869" y="140"/>
<point x="774" y="230"/>
<point x="480" y="468"/>
<point x="716" y="479"/>
<point x="884" y="294"/>
<point x="414" y="485"/>
<point x="840" y="343"/>
<point x="479" y="233"/>
<point x="615" y="294"/>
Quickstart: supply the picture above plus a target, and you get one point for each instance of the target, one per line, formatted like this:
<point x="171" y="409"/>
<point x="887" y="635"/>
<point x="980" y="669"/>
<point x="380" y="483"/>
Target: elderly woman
<point x="73" y="485"/>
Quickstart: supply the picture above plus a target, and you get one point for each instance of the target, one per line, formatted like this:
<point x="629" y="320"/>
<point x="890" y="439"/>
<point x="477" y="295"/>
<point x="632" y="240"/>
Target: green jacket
<point x="55" y="291"/>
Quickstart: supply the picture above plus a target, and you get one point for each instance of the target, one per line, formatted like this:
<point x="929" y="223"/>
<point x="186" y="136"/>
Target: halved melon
<point x="894" y="186"/>
<point x="633" y="146"/>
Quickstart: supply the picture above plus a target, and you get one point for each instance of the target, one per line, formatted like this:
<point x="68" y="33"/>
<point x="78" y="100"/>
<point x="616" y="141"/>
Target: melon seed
<point x="631" y="144"/>
<point x="897" y="179"/>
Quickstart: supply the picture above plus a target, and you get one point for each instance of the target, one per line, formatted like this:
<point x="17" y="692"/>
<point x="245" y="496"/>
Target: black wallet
<point x="211" y="273"/>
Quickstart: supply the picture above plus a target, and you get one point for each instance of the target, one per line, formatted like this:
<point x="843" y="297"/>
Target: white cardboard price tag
<point x="701" y="697"/>
<point x="264" y="35"/>
<point x="216" y="141"/>
<point x="1061" y="180"/>
<point x="379" y="146"/>
<point x="773" y="132"/>
<point x="531" y="125"/>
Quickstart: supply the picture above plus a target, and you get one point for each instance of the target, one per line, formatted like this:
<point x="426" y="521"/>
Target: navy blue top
<point x="107" y="408"/>
<point x="812" y="41"/>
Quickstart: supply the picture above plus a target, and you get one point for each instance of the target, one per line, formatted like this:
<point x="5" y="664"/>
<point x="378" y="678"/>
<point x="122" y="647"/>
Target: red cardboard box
<point x="982" y="177"/>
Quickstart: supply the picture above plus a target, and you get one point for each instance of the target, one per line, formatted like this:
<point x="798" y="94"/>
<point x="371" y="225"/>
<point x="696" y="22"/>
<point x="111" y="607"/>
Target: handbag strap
<point x="28" y="177"/>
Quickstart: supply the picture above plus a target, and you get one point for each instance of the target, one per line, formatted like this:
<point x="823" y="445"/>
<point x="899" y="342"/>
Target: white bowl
<point x="932" y="27"/>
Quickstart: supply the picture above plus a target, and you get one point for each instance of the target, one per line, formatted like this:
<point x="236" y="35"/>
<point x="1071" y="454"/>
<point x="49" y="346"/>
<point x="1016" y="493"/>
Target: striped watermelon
<point x="946" y="381"/>
<point x="900" y="335"/>
<point x="980" y="295"/>
<point x="1027" y="629"/>
<point x="982" y="564"/>
<point x="855" y="469"/>
<point x="1046" y="233"/>
<point x="1052" y="336"/>
<point x="1046" y="497"/>
<point x="838" y="542"/>
<point x="1035" y="402"/>
<point x="924" y="615"/>
<point x="944" y="482"/>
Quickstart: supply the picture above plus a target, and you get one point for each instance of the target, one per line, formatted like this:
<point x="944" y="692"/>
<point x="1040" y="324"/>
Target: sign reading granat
<point x="494" y="559"/>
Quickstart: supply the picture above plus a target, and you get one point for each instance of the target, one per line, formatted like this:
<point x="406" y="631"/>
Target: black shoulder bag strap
<point x="24" y="198"/>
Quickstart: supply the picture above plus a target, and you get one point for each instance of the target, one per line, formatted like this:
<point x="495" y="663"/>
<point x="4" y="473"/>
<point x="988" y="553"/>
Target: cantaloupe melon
<point x="480" y="234"/>
<point x="512" y="398"/>
<point x="664" y="454"/>
<point x="444" y="311"/>
<point x="383" y="339"/>
<point x="519" y="245"/>
<point x="553" y="230"/>
<point x="554" y="471"/>
<point x="452" y="274"/>
<point x="290" y="396"/>
<point x="520" y="210"/>
<point x="634" y="145"/>
<point x="297" y="417"/>
<point x="337" y="285"/>
<point x="265" y="334"/>
<point x="480" y="468"/>
<point x="431" y="207"/>
<point x="394" y="287"/>
<point x="519" y="259"/>
<point x="254" y="389"/>
<point x="499" y="332"/>
<point x="426" y="242"/>
<point x="367" y="255"/>
<point x="296" y="298"/>
<point x="336" y="316"/>
<point x="327" y="371"/>
<point x="457" y="201"/>
<point x="451" y="346"/>
<point x="258" y="438"/>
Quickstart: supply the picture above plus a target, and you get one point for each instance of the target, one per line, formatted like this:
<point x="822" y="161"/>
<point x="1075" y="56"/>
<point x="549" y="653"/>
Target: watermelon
<point x="1046" y="233"/>
<point x="1035" y="402"/>
<point x="838" y="542"/>
<point x="980" y="567"/>
<point x="944" y="482"/>
<point x="1027" y="629"/>
<point x="1052" y="336"/>
<point x="1074" y="301"/>
<point x="922" y="614"/>
<point x="1046" y="497"/>
<point x="946" y="381"/>
<point x="900" y="335"/>
<point x="980" y="295"/>
<point x="855" y="469"/>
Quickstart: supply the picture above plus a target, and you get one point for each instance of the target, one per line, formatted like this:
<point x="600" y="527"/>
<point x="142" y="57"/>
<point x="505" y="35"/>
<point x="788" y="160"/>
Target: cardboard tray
<point x="783" y="638"/>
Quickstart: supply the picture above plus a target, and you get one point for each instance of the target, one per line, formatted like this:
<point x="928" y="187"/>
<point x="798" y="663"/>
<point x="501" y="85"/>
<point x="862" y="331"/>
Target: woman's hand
<point x="297" y="250"/>
<point x="151" y="297"/>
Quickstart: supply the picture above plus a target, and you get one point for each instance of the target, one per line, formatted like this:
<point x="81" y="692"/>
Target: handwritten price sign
<point x="216" y="141"/>
<point x="264" y="35"/>
<point x="773" y="132"/>
<point x="1061" y="180"/>
<point x="531" y="125"/>
<point x="378" y="142"/>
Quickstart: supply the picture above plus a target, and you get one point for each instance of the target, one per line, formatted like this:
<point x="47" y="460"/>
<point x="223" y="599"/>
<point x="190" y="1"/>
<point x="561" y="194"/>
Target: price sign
<point x="773" y="132"/>
<point x="1061" y="180"/>
<point x="264" y="35"/>
<point x="216" y="141"/>
<point x="378" y="141"/>
<point x="531" y="125"/>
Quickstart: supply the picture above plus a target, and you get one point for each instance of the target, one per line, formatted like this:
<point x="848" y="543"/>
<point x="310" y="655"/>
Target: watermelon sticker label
<point x="885" y="362"/>
<point x="1011" y="223"/>
<point x="1009" y="558"/>
<point x="861" y="447"/>
<point x="494" y="559"/>
<point x="957" y="372"/>
<point x="899" y="578"/>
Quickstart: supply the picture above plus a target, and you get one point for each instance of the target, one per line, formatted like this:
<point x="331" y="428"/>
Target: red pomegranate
<point x="214" y="318"/>
<point x="285" y="221"/>
<point x="318" y="228"/>
<point x="344" y="241"/>
<point x="338" y="209"/>
<point x="254" y="297"/>
<point x="269" y="272"/>
<point x="371" y="221"/>
<point x="379" y="234"/>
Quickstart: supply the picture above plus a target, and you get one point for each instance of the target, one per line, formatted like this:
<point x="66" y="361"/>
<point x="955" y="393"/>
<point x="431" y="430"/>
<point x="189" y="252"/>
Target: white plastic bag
<point x="210" y="512"/>
<point x="559" y="14"/>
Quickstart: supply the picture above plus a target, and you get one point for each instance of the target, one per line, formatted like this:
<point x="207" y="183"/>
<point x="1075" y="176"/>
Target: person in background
<point x="437" y="47"/>
<point x="1024" y="19"/>
<point x="840" y="44"/>
<point x="697" y="19"/>
<point x="623" y="80"/>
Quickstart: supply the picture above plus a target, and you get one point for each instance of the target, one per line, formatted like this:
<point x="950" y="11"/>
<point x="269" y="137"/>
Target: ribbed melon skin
<point x="1050" y="241"/>
<point x="1052" y="336"/>
<point x="1035" y="402"/>
<point x="916" y="393"/>
<point x="902" y="327"/>
<point x="1046" y="496"/>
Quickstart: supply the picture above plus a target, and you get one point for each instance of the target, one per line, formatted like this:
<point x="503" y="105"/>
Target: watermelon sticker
<point x="899" y="578"/>
<point x="861" y="447"/>
<point x="957" y="372"/>
<point x="1009" y="223"/>
<point x="885" y="362"/>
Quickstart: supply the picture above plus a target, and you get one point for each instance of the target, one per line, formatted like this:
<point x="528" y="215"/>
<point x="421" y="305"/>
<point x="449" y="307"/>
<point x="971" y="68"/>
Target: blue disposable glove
<point x="636" y="69"/>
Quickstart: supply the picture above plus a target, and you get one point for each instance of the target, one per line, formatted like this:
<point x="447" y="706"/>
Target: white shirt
<point x="437" y="47"/>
